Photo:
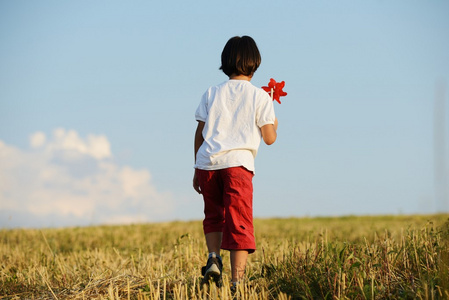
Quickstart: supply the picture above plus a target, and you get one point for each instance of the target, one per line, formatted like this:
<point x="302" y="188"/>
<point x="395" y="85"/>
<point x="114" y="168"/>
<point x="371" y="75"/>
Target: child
<point x="232" y="118"/>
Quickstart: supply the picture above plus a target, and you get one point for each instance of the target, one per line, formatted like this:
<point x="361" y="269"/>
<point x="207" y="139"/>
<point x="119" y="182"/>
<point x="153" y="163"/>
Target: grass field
<point x="385" y="257"/>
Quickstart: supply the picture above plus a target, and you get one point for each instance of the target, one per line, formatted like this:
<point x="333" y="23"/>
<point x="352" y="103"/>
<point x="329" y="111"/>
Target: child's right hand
<point x="196" y="185"/>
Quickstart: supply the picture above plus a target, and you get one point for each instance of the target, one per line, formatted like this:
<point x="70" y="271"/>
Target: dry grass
<point x="403" y="257"/>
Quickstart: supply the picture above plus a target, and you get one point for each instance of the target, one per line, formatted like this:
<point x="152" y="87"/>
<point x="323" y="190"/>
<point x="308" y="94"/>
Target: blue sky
<point x="97" y="102"/>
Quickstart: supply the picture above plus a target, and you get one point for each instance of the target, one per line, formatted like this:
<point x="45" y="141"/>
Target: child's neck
<point x="240" y="77"/>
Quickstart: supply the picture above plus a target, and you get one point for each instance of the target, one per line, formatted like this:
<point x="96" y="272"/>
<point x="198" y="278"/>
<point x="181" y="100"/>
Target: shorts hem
<point x="212" y="229"/>
<point x="250" y="249"/>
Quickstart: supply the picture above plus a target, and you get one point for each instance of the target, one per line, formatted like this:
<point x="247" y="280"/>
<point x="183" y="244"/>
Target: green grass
<point x="385" y="257"/>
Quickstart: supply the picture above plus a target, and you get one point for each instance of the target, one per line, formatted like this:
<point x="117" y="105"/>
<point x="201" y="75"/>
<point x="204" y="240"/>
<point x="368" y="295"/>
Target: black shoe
<point x="212" y="270"/>
<point x="234" y="287"/>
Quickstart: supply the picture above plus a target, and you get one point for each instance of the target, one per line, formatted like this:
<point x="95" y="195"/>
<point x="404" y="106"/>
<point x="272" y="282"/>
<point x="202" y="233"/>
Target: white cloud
<point x="69" y="180"/>
<point x="95" y="146"/>
<point x="37" y="139"/>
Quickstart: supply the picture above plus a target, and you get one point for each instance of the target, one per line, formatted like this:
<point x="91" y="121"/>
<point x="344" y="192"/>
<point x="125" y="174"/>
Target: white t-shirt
<point x="233" y="112"/>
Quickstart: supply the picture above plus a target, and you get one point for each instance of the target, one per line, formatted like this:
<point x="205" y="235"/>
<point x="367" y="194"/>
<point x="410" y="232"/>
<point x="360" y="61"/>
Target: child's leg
<point x="238" y="233"/>
<point x="213" y="241"/>
<point x="212" y="190"/>
<point x="238" y="264"/>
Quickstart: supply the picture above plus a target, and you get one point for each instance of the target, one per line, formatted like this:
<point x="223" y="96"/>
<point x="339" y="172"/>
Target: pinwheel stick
<point x="272" y="94"/>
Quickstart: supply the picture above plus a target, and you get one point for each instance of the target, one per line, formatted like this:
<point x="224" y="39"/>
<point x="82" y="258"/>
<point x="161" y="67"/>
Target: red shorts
<point x="228" y="206"/>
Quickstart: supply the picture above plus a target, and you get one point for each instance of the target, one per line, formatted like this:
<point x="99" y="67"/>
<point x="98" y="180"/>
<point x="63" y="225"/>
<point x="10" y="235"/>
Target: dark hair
<point x="240" y="56"/>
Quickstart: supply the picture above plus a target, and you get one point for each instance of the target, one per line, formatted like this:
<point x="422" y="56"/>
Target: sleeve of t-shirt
<point x="201" y="111"/>
<point x="265" y="112"/>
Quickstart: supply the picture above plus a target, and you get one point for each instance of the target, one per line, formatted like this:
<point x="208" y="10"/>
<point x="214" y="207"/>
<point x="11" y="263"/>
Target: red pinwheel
<point x="275" y="89"/>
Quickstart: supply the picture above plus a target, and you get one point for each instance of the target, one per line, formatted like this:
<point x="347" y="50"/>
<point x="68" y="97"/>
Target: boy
<point x="232" y="118"/>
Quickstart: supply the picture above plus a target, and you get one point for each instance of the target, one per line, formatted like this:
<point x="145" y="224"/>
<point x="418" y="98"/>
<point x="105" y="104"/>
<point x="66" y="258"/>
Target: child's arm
<point x="198" y="142"/>
<point x="269" y="134"/>
<point x="199" y="137"/>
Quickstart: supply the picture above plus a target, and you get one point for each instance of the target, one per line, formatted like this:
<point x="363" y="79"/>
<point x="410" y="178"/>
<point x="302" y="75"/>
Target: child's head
<point x="240" y="56"/>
